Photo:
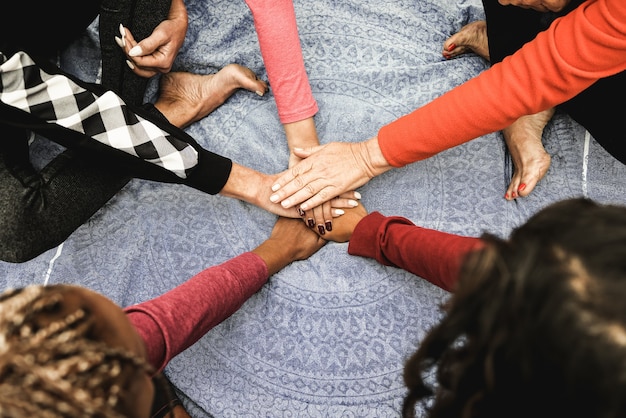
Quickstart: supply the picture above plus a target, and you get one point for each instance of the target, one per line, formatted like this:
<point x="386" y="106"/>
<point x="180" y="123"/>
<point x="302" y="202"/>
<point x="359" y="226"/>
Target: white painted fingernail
<point x="135" y="51"/>
<point x="357" y="195"/>
<point x="130" y="64"/>
<point x="353" y="203"/>
<point x="123" y="33"/>
<point x="339" y="212"/>
<point x="119" y="42"/>
<point x="260" y="93"/>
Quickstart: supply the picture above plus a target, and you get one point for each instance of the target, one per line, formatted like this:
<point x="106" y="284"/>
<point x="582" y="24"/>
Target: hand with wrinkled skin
<point x="302" y="134"/>
<point x="328" y="171"/>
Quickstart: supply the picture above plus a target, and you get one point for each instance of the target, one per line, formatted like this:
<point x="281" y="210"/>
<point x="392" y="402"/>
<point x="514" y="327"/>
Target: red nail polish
<point x="451" y="47"/>
<point x="506" y="195"/>
<point x="521" y="187"/>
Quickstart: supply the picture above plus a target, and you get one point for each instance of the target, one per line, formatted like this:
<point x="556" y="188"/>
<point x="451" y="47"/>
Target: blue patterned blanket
<point x="328" y="336"/>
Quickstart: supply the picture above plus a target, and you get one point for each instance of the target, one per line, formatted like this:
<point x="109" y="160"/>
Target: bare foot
<point x="530" y="159"/>
<point x="471" y="38"/>
<point x="185" y="98"/>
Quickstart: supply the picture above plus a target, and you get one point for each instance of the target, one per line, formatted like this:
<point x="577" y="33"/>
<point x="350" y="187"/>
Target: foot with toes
<point x="471" y="38"/>
<point x="530" y="159"/>
<point x="185" y="98"/>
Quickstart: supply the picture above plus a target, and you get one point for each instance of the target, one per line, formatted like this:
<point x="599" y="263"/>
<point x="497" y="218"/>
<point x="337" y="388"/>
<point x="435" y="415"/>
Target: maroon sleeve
<point x="395" y="241"/>
<point x="172" y="322"/>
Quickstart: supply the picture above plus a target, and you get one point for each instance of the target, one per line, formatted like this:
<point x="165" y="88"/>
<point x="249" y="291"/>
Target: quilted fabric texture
<point x="328" y="336"/>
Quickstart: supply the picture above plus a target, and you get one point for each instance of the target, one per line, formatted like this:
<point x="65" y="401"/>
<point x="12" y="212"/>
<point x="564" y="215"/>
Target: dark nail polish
<point x="300" y="212"/>
<point x="329" y="226"/>
<point x="321" y="229"/>
<point x="311" y="222"/>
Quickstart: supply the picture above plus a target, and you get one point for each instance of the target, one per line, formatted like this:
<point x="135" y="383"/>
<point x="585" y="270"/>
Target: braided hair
<point x="51" y="364"/>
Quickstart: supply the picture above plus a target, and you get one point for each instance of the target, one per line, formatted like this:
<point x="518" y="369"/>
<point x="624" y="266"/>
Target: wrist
<point x="373" y="157"/>
<point x="275" y="254"/>
<point x="242" y="184"/>
<point x="301" y="134"/>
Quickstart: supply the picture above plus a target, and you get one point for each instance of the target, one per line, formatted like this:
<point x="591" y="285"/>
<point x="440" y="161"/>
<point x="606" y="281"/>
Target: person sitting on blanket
<point x="504" y="30"/>
<point x="577" y="50"/>
<point x="536" y="323"/>
<point x="109" y="133"/>
<point x="68" y="351"/>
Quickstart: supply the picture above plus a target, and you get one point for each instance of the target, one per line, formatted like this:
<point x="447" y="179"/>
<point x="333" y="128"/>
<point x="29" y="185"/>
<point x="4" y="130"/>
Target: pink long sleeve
<point x="277" y="30"/>
<point x="394" y="241"/>
<point x="172" y="322"/>
<point x="587" y="44"/>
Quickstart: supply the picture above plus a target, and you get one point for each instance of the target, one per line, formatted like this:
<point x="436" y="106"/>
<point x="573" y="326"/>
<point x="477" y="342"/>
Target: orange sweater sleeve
<point x="583" y="46"/>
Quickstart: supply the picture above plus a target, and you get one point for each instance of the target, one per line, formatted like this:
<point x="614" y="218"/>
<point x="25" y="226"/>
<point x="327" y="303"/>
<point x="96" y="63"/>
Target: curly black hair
<point x="536" y="326"/>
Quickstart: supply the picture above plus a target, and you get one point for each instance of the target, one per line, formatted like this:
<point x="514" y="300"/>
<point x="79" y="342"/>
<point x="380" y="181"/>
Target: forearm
<point x="394" y="241"/>
<point x="140" y="139"/>
<point x="545" y="72"/>
<point x="175" y="320"/>
<point x="276" y="27"/>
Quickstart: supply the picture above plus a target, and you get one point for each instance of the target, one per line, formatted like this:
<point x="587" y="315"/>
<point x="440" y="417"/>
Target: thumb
<point x="147" y="46"/>
<point x="305" y="152"/>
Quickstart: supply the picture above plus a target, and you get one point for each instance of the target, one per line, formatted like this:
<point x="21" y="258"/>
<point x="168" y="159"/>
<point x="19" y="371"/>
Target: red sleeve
<point x="277" y="30"/>
<point x="583" y="46"/>
<point x="394" y="241"/>
<point x="172" y="322"/>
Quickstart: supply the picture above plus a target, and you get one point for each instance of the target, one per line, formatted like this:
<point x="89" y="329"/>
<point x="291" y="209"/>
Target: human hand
<point x="303" y="134"/>
<point x="252" y="186"/>
<point x="290" y="240"/>
<point x="343" y="226"/>
<point x="327" y="171"/>
<point x="320" y="218"/>
<point x="156" y="53"/>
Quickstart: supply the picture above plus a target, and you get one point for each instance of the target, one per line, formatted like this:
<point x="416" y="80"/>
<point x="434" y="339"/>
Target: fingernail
<point x="135" y="51"/>
<point x="260" y="93"/>
<point x="311" y="222"/>
<point x="329" y="226"/>
<point x="119" y="42"/>
<point x="275" y="187"/>
<point x="339" y="212"/>
<point x="321" y="230"/>
<point x="122" y="31"/>
<point x="300" y="212"/>
<point x="521" y="187"/>
<point x="274" y="197"/>
<point x="357" y="195"/>
<point x="285" y="203"/>
<point x="353" y="203"/>
<point x="506" y="195"/>
<point x="451" y="47"/>
<point x="130" y="64"/>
